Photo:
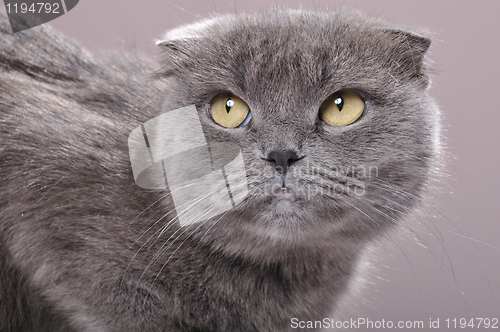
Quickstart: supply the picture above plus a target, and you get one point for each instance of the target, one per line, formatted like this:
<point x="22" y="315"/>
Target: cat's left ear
<point x="408" y="51"/>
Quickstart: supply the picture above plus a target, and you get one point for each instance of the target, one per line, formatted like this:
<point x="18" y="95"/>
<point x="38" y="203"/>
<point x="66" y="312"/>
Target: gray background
<point x="457" y="273"/>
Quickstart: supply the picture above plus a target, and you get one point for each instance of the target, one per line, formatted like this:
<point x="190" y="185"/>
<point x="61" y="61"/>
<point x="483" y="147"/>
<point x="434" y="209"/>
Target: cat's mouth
<point x="280" y="196"/>
<point x="283" y="194"/>
<point x="283" y="200"/>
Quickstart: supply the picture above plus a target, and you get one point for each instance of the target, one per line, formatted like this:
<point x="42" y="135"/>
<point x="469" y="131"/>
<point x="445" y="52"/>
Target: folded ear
<point x="178" y="44"/>
<point x="408" y="51"/>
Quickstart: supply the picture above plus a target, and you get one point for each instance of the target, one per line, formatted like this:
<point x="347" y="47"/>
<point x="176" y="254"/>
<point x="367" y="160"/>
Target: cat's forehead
<point x="292" y="53"/>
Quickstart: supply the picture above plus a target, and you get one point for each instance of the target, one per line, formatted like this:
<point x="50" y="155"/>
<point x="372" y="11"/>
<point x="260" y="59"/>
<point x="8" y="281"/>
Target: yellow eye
<point x="342" y="108"/>
<point x="230" y="111"/>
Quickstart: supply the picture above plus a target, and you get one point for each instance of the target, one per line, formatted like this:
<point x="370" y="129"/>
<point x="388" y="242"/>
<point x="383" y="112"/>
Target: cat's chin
<point x="285" y="215"/>
<point x="283" y="224"/>
<point x="284" y="202"/>
<point x="284" y="207"/>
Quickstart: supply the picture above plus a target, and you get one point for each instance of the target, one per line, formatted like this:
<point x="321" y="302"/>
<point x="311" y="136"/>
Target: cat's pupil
<point x="229" y="104"/>
<point x="340" y="103"/>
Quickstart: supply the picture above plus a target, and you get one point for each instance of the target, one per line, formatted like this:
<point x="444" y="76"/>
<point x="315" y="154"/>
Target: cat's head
<point x="336" y="129"/>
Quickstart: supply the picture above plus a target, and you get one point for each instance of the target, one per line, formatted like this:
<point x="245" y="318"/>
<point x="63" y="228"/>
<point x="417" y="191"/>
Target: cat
<point x="332" y="118"/>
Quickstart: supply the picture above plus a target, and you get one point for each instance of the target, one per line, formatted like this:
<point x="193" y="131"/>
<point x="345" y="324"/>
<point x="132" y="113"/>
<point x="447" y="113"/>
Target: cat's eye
<point x="342" y="108"/>
<point x="230" y="111"/>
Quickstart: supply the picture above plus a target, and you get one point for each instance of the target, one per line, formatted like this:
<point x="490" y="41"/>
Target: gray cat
<point x="339" y="138"/>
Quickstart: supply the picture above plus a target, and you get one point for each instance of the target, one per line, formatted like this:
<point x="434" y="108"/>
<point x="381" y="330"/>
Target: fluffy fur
<point x="82" y="248"/>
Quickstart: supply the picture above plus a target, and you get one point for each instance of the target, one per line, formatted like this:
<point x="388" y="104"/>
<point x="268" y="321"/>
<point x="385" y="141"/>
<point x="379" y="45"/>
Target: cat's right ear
<point x="175" y="55"/>
<point x="178" y="45"/>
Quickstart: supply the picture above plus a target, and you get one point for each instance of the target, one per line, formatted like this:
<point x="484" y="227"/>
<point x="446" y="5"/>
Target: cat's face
<point x="348" y="181"/>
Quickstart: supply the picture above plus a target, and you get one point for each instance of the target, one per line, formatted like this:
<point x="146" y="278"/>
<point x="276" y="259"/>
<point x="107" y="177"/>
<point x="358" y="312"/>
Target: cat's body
<point x="79" y="240"/>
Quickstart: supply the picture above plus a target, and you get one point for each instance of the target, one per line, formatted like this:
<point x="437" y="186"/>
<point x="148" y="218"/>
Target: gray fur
<point x="77" y="236"/>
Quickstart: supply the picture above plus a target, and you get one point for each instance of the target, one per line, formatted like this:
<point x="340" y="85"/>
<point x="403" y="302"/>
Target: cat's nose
<point x="282" y="159"/>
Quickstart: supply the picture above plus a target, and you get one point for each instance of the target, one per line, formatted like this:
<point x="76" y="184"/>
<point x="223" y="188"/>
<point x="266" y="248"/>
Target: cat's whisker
<point x="476" y="259"/>
<point x="164" y="249"/>
<point x="171" y="222"/>
<point x="388" y="207"/>
<point x="159" y="231"/>
<point x="158" y="253"/>
<point x="149" y="228"/>
<point x="146" y="209"/>
<point x="430" y="249"/>
<point x="143" y="245"/>
<point x="418" y="238"/>
<point x="394" y="220"/>
<point x="396" y="191"/>
<point x="163" y="227"/>
<point x="366" y="215"/>
<point x="473" y="240"/>
<point x="462" y="235"/>
<point x="187" y="237"/>
<point x="190" y="205"/>
<point x="154" y="224"/>
<point x="390" y="186"/>
<point x="371" y="206"/>
<point x="196" y="16"/>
